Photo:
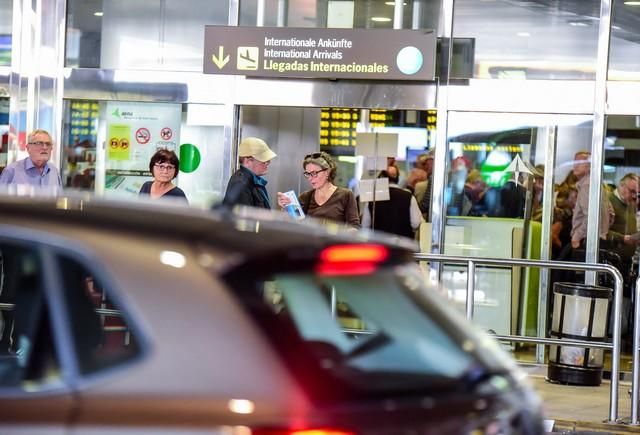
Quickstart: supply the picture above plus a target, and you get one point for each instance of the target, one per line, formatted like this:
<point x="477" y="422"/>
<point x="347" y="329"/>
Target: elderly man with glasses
<point x="622" y="239"/>
<point x="34" y="170"/>
<point x="623" y="200"/>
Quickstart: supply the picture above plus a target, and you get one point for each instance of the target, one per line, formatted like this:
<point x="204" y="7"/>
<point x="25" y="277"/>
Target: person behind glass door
<point x="415" y="176"/>
<point x="35" y="169"/>
<point x="566" y="197"/>
<point x="473" y="201"/>
<point x="421" y="166"/>
<point x="423" y="190"/>
<point x="582" y="171"/>
<point x="622" y="239"/>
<point x="247" y="185"/>
<point x="164" y="166"/>
<point x="623" y="200"/>
<point x="325" y="200"/>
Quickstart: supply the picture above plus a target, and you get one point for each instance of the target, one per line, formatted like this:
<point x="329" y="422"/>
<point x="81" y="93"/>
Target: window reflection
<point x="365" y="14"/>
<point x="6" y="14"/>
<point x="119" y="34"/>
<point x="624" y="53"/>
<point x="535" y="40"/>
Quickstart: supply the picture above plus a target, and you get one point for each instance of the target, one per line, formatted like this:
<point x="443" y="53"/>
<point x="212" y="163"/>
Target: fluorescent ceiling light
<point x="524" y="34"/>
<point x="98" y="14"/>
<point x="394" y="3"/>
<point x="632" y="3"/>
<point x="381" y="19"/>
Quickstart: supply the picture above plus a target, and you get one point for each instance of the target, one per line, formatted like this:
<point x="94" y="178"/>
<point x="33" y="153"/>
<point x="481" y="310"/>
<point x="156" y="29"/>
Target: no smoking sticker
<point x="143" y="135"/>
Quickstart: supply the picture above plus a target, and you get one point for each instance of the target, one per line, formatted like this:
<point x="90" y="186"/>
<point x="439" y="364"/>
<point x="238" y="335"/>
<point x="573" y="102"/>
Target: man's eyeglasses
<point x="41" y="144"/>
<point x="160" y="167"/>
<point x="312" y="174"/>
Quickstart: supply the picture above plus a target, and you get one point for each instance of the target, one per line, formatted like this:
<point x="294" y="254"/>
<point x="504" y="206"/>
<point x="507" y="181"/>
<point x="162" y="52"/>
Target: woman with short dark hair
<point x="164" y="166"/>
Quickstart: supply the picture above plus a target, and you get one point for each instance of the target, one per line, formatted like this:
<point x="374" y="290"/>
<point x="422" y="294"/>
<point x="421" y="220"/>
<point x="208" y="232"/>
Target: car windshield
<point x="379" y="332"/>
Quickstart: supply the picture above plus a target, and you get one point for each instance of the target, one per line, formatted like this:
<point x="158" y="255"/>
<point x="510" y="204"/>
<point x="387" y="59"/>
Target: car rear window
<point x="377" y="332"/>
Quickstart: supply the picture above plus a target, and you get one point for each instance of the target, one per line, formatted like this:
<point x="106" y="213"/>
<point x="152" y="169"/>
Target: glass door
<point x="504" y="174"/>
<point x="620" y="178"/>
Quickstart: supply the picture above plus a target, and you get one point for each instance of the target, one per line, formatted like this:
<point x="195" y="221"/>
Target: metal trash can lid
<point x="585" y="290"/>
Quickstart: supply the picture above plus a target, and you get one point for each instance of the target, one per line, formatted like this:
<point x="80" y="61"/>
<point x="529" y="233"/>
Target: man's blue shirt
<point x="25" y="172"/>
<point x="261" y="184"/>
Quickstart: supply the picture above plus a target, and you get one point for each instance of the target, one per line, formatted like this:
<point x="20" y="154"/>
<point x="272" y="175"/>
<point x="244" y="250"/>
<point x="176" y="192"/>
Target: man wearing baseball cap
<point x="247" y="185"/>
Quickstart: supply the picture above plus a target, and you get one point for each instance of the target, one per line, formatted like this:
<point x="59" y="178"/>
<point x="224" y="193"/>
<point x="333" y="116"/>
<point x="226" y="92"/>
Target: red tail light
<point x="349" y="253"/>
<point x="357" y="259"/>
<point x="323" y="431"/>
<point x="320" y="432"/>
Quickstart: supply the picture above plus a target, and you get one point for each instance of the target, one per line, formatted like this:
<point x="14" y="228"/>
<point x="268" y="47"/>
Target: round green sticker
<point x="189" y="157"/>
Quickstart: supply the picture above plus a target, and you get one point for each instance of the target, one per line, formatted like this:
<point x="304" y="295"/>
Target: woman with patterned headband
<point x="325" y="200"/>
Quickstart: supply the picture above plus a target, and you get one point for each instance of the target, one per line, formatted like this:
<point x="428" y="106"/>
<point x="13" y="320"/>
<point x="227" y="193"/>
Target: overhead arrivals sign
<point x="374" y="54"/>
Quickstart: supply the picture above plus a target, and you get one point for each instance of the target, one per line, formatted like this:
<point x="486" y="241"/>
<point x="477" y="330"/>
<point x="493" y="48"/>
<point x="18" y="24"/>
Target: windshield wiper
<point x="378" y="340"/>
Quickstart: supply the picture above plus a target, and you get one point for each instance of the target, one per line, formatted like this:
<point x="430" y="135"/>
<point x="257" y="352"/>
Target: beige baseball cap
<point x="256" y="148"/>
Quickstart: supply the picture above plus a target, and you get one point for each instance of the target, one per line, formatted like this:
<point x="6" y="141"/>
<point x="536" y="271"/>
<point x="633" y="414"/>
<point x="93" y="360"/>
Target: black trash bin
<point x="579" y="312"/>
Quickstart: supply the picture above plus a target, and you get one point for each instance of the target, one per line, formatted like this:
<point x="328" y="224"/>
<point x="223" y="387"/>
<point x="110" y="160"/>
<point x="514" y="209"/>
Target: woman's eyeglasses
<point x="160" y="167"/>
<point x="312" y="174"/>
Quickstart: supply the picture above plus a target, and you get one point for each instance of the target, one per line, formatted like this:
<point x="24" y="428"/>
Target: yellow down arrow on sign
<point x="220" y="60"/>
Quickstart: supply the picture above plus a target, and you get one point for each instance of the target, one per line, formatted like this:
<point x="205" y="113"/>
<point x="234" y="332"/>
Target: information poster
<point x="119" y="141"/>
<point x="135" y="131"/>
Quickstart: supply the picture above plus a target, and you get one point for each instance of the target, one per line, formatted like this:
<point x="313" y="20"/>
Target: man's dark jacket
<point x="246" y="188"/>
<point x="393" y="216"/>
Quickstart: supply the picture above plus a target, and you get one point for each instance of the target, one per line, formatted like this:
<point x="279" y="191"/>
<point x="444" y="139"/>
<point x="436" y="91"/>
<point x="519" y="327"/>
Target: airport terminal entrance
<point x="337" y="131"/>
<point x="502" y="172"/>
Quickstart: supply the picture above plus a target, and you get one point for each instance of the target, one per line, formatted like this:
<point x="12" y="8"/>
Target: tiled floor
<point x="581" y="403"/>
<point x="582" y="409"/>
<point x="577" y="407"/>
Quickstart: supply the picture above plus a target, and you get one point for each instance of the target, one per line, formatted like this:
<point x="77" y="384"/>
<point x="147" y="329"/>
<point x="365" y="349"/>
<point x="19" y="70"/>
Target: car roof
<point x="244" y="230"/>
